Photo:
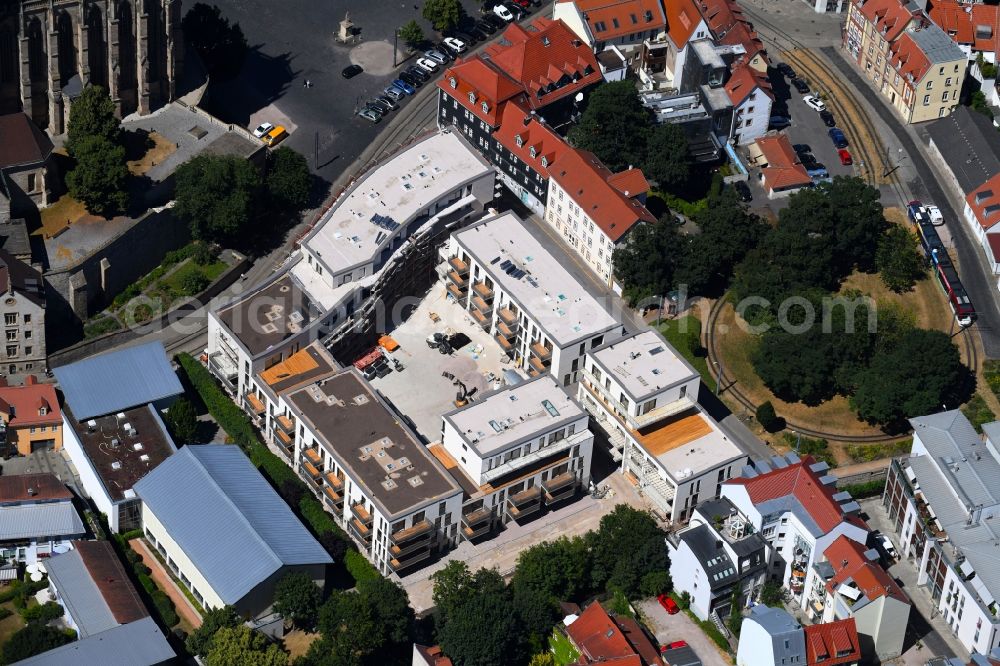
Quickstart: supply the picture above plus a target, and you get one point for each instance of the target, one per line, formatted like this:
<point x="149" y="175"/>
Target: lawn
<point x="159" y="149"/>
<point x="59" y="215"/>
<point x="684" y="335"/>
<point x="10" y="624"/>
<point x="175" y="281"/>
<point x="562" y="649"/>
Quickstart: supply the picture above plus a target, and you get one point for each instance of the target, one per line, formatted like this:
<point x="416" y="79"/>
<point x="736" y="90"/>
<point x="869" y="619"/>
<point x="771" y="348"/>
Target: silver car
<point x="370" y="114"/>
<point x="395" y="93"/>
<point x="436" y="56"/>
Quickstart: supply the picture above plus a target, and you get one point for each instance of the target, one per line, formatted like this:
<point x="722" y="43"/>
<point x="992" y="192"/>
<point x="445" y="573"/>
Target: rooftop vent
<point x="144" y="458"/>
<point x="137" y="446"/>
<point x="116" y="465"/>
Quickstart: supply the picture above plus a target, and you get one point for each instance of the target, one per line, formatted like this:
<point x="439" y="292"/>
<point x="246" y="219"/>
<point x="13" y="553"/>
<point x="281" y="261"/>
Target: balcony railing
<point x="559" y="487"/>
<point x="477" y="531"/>
<point x="477" y="516"/>
<point x="256" y="404"/>
<point x="361" y="513"/>
<point x="399" y="564"/>
<point x="459" y="266"/>
<point x="504" y="343"/>
<point x="423" y="529"/>
<point x="224" y="368"/>
<point x="312" y="455"/>
<point x="508" y="317"/>
<point x="457" y="279"/>
<point x="481" y="319"/>
<point x="483" y="291"/>
<point x="284" y="438"/>
<point x="332" y="496"/>
<point x="524" y="503"/>
<point x="458" y="294"/>
<point x="310" y="471"/>
<point x="505" y="330"/>
<point x="334" y="481"/>
<point x="538" y="366"/>
<point x="481" y="304"/>
<point x="541" y="351"/>
<point x="285" y="424"/>
<point x="364" y="532"/>
<point x="634" y="422"/>
<point x="526" y="460"/>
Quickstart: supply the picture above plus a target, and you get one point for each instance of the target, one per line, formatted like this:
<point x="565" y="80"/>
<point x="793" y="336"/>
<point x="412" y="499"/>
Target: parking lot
<point x="669" y="628"/>
<point x="420" y="391"/>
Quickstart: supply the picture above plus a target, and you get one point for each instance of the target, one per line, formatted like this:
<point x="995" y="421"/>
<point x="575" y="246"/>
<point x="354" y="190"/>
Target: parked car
<point x="838" y="138"/>
<point x="436" y="56"/>
<point x="817" y="170"/>
<point x="400" y="84"/>
<point x="351" y="71"/>
<point x="410" y="80"/>
<point x="455" y="44"/>
<point x="275" y="136"/>
<point x="370" y="114"/>
<point x="886" y="545"/>
<point x="743" y="191"/>
<point x="419" y="73"/>
<point x="481" y="31"/>
<point x="389" y="101"/>
<point x="463" y="37"/>
<point x="504" y="13"/>
<point x="786" y="70"/>
<point x="845" y="157"/>
<point x="779" y="122"/>
<point x="814" y="103"/>
<point x="673" y="646"/>
<point x="523" y="4"/>
<point x="828" y="118"/>
<point x="801" y="85"/>
<point x="262" y="129"/>
<point x="802" y="148"/>
<point x="379" y="105"/>
<point x="394" y="93"/>
<point x="668" y="604"/>
<point x="488" y="24"/>
<point x="427" y="65"/>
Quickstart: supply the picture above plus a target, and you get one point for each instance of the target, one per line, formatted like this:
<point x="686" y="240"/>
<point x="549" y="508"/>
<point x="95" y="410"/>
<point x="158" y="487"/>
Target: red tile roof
<point x="109" y="575"/>
<point x="832" y="643"/>
<point x="744" y="80"/>
<point x="433" y="655"/>
<point x="43" y="487"/>
<point x="586" y="181"/>
<point x="801" y="482"/>
<point x="535" y="136"/>
<point x="848" y="560"/>
<point x="27" y="401"/>
<point x="783" y="170"/>
<point x="23" y="142"/>
<point x="682" y="19"/>
<point x="908" y="58"/>
<point x="618" y="18"/>
<point x="985" y="202"/>
<point x="631" y="182"/>
<point x="599" y="639"/>
<point x="890" y="17"/>
<point x="486" y="84"/>
<point x="546" y="58"/>
<point x="960" y="20"/>
<point x="726" y="21"/>
<point x="637" y="638"/>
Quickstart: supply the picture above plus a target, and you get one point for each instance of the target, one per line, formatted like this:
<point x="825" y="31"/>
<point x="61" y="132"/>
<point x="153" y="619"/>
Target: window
<point x="10" y="319"/>
<point x="930" y="84"/>
<point x="927" y="100"/>
<point x="31" y="182"/>
<point x="944" y="96"/>
<point x="947" y="81"/>
<point x="453" y="82"/>
<point x="11" y="350"/>
<point x="485" y="107"/>
<point x="11" y="334"/>
<point x="27" y="319"/>
<point x="27" y="351"/>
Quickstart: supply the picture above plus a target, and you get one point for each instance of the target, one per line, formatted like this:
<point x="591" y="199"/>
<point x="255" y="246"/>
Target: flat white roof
<point x="643" y="364"/>
<point x="511" y="415"/>
<point x="688" y="444"/>
<point x="542" y="288"/>
<point x="367" y="216"/>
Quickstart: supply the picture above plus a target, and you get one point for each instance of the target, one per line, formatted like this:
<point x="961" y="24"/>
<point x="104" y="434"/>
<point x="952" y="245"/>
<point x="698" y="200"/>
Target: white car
<point x="887" y="546"/>
<point x="427" y="65"/>
<point x="814" y="103"/>
<point x="937" y="218"/>
<point x="456" y="45"/>
<point x="503" y="13"/>
<point x="262" y="130"/>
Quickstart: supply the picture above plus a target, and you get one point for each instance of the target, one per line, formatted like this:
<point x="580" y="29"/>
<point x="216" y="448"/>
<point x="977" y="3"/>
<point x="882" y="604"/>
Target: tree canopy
<point x="898" y="259"/>
<point x="99" y="179"/>
<point x="34" y="638"/>
<point x="667" y="159"/>
<point x="240" y="646"/>
<point x="221" y="46"/>
<point x="477" y="624"/>
<point x="215" y="195"/>
<point x="628" y="530"/>
<point x="92" y="115"/>
<point x="411" y="33"/>
<point x="443" y="14"/>
<point x="199" y="641"/>
<point x="297" y="598"/>
<point x="182" y="420"/>
<point x="288" y="180"/>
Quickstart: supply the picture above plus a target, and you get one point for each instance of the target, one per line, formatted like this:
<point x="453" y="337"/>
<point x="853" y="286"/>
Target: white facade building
<point x="644" y="396"/>
<point x="538" y="313"/>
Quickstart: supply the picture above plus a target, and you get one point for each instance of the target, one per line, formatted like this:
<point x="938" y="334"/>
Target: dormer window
<point x="545" y="161"/>
<point x="519" y="140"/>
<point x="486" y="107"/>
<point x="472" y="98"/>
<point x="453" y="82"/>
<point x="533" y="151"/>
<point x="42" y="411"/>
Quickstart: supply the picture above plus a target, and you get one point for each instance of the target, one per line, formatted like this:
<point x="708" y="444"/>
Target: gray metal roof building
<point x="138" y="643"/>
<point x="36" y="520"/>
<point x="117" y="380"/>
<point x="970" y="145"/>
<point x="79" y="594"/>
<point x="226" y="518"/>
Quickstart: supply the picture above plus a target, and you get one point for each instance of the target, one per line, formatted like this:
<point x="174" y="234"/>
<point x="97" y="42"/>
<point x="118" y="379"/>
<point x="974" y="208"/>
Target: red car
<point x="845" y="157"/>
<point x="671" y="646"/>
<point x="523" y="4"/>
<point x="668" y="604"/>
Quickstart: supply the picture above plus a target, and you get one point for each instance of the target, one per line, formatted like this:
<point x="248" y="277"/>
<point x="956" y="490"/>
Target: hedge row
<point x="22" y="589"/>
<point x="164" y="605"/>
<point x="866" y="489"/>
<point x="237" y="425"/>
<point x="43" y="613"/>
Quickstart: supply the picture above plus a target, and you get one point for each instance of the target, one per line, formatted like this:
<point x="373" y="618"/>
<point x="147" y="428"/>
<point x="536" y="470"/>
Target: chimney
<point x="30" y="380"/>
<point x="32" y="492"/>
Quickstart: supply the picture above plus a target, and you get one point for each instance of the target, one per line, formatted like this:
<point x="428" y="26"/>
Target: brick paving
<point x="166" y="583"/>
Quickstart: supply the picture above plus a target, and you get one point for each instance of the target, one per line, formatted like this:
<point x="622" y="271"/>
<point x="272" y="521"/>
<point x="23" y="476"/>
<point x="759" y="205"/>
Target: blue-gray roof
<point x="79" y="594"/>
<point x="45" y="519"/>
<point x="118" y="380"/>
<point x="138" y="643"/>
<point x="226" y="518"/>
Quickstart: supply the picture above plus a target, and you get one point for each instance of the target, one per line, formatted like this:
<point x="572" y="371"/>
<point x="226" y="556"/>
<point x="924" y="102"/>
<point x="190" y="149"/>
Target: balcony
<point x="504" y="343"/>
<point x="633" y="422"/>
<point x="458" y="280"/>
<point x="362" y="514"/>
<point x="481" y="304"/>
<point x="334" y="481"/>
<point x="458" y="266"/>
<point x="508" y="317"/>
<point x="332" y="497"/>
<point x="533" y="373"/>
<point x="361" y="531"/>
<point x="456" y="293"/>
<point x="285" y="424"/>
<point x="505" y="330"/>
<point x="483" y="291"/>
<point x="478" y="522"/>
<point x="225" y="368"/>
<point x="525" y="503"/>
<point x="399" y="564"/>
<point x="310" y="471"/>
<point x="256" y="404"/>
<point x="541" y="351"/>
<point x="312" y="455"/>
<point x="537" y="366"/>
<point x="481" y="319"/>
<point x="419" y="531"/>
<point x="285" y="440"/>
<point x="559" y="487"/>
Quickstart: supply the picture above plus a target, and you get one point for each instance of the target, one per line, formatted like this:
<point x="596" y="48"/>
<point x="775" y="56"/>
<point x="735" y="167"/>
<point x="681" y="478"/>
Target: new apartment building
<point x="516" y="451"/>
<point x="539" y="314"/>
<point x="376" y="244"/>
<point x="944" y="499"/>
<point x="644" y="397"/>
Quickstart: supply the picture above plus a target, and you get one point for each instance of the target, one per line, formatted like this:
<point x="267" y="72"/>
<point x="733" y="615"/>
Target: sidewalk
<point x="166" y="583"/>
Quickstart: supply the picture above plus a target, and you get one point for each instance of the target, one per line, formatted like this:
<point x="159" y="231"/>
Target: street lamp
<point x="718" y="376"/>
<point x="395" y="37"/>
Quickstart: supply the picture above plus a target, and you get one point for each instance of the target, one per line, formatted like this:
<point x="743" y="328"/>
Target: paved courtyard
<point x="680" y="627"/>
<point x="420" y="391"/>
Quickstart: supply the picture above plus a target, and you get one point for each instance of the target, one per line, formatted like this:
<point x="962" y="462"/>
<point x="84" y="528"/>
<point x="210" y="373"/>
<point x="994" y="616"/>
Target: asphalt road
<point x="978" y="282"/>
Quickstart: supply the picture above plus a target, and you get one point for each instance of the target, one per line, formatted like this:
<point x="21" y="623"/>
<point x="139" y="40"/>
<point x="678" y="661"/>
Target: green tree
<point x="411" y="33"/>
<point x="99" y="178"/>
<point x="92" y="115"/>
<point x="667" y="160"/>
<point x="241" y="646"/>
<point x="450" y="586"/>
<point x="482" y="629"/>
<point x="221" y="46"/>
<point x="559" y="570"/>
<point x="297" y="598"/>
<point x="898" y="260"/>
<point x="194" y="283"/>
<point x="768" y="418"/>
<point x="391" y="610"/>
<point x="288" y="180"/>
<point x="215" y="195"/>
<point x="645" y="264"/>
<point x="626" y="530"/>
<point x="543" y="659"/>
<point x="978" y="103"/>
<point x="35" y="638"/>
<point x="798" y="367"/>
<point x="771" y="594"/>
<point x="900" y="383"/>
<point x="199" y="641"/>
<point x="615" y="126"/>
<point x="443" y="14"/>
